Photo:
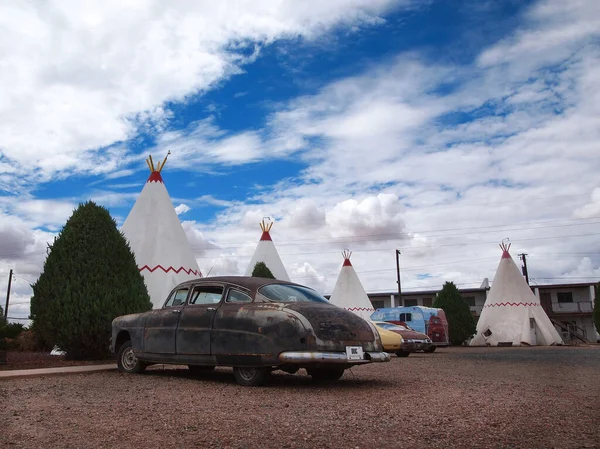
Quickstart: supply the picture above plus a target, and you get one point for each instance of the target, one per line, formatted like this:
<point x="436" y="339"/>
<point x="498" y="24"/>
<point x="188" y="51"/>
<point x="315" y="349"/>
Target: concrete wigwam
<point x="162" y="251"/>
<point x="512" y="314"/>
<point x="349" y="293"/>
<point x="267" y="253"/>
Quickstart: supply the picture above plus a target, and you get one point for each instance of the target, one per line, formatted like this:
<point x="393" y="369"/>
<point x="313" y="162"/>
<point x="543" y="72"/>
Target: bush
<point x="262" y="271"/>
<point x="27" y="342"/>
<point x="461" y="324"/>
<point x="90" y="277"/>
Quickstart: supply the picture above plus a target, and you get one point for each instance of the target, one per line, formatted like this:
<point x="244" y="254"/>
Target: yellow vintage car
<point x="391" y="341"/>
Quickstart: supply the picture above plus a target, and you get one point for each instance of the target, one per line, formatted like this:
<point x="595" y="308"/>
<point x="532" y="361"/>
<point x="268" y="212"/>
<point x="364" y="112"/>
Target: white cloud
<point x="182" y="209"/>
<point x="89" y="75"/>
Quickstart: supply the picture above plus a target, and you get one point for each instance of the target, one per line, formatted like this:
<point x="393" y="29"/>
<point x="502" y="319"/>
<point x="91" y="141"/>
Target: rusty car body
<point x="254" y="325"/>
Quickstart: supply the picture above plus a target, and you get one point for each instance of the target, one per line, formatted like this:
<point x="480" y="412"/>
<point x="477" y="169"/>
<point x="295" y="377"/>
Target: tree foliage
<point x="90" y="277"/>
<point x="262" y="271"/>
<point x="461" y="324"/>
<point x="597" y="308"/>
<point x="8" y="330"/>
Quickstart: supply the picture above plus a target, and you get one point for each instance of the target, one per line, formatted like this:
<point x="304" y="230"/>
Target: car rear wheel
<point x="403" y="353"/>
<point x="251" y="377"/>
<point x="323" y="375"/>
<point x="199" y="369"/>
<point x="127" y="362"/>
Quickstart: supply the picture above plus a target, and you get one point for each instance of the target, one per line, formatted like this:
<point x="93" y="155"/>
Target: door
<point x="236" y="330"/>
<point x="546" y="301"/>
<point x="196" y="319"/>
<point x="161" y="325"/>
<point x="532" y="331"/>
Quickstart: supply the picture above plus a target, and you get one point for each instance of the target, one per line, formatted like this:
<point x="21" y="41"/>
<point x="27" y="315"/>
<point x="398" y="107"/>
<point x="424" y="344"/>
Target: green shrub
<point x="461" y="324"/>
<point x="90" y="277"/>
<point x="262" y="271"/>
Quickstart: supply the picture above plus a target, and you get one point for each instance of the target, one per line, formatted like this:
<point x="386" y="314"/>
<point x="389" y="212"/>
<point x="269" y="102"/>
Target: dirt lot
<point x="31" y="360"/>
<point x="459" y="397"/>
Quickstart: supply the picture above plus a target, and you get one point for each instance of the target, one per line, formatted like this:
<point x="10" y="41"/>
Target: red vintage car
<point x="412" y="341"/>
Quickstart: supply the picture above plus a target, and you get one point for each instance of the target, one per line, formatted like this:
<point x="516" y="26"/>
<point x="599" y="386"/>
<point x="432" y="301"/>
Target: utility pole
<point x="523" y="257"/>
<point x="398" y="274"/>
<point x="8" y="294"/>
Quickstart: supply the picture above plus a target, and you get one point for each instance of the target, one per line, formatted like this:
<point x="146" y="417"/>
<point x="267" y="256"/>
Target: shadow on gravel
<point x="279" y="379"/>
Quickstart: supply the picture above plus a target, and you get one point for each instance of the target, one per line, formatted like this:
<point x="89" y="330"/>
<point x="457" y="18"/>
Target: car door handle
<point x="211" y="309"/>
<point x="176" y="311"/>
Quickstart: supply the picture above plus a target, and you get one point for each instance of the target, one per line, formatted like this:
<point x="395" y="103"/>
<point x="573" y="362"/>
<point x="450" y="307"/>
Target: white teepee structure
<point x="512" y="314"/>
<point x="267" y="253"/>
<point x="349" y="293"/>
<point x="156" y="237"/>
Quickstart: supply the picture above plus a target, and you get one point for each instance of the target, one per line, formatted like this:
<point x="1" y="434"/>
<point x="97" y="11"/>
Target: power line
<point x="411" y="248"/>
<point x="389" y="236"/>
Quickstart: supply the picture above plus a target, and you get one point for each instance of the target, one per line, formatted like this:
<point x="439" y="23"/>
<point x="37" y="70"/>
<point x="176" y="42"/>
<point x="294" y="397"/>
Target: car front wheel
<point x="432" y="349"/>
<point x="127" y="362"/>
<point x="324" y="375"/>
<point x="251" y="377"/>
<point x="403" y="353"/>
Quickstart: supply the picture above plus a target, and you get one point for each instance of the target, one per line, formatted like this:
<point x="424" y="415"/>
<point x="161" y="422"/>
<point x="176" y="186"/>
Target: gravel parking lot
<point x="456" y="397"/>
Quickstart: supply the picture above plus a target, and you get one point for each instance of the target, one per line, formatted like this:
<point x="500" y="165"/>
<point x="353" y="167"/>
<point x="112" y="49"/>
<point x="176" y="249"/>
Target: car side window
<point x="178" y="297"/>
<point x="206" y="294"/>
<point x="236" y="296"/>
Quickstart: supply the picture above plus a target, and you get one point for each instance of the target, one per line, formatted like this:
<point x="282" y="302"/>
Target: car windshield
<point x="290" y="293"/>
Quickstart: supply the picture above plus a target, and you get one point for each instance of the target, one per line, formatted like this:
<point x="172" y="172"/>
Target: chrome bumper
<point x="331" y="357"/>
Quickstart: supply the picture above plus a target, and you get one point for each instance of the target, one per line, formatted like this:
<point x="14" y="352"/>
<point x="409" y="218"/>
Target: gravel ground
<point x="456" y="397"/>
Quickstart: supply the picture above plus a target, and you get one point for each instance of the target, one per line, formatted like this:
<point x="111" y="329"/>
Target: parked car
<point x="254" y="325"/>
<point x="412" y="340"/>
<point x="428" y="320"/>
<point x="391" y="341"/>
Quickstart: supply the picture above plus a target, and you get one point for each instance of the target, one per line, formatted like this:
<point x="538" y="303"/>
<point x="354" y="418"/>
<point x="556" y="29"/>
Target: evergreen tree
<point x="461" y="324"/>
<point x="90" y="277"/>
<point x="597" y="308"/>
<point x="262" y="271"/>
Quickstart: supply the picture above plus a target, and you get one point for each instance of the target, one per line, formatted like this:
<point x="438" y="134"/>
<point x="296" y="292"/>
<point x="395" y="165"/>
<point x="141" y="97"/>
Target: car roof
<point x="248" y="282"/>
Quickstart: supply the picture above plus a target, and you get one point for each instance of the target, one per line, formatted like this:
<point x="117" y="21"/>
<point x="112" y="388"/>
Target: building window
<point x="427" y="302"/>
<point x="410" y="302"/>
<point x="378" y="304"/>
<point x="564" y="297"/>
<point x="470" y="300"/>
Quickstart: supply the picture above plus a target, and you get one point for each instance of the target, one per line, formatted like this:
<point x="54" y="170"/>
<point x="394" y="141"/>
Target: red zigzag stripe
<point x="166" y="270"/>
<point x="360" y="309"/>
<point x="531" y="304"/>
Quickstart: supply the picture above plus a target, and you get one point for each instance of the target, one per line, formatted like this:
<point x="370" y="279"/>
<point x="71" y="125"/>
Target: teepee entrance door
<point x="532" y="330"/>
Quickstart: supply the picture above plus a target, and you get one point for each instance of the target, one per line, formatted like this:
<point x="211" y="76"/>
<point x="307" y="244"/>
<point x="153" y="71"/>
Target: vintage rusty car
<point x="254" y="325"/>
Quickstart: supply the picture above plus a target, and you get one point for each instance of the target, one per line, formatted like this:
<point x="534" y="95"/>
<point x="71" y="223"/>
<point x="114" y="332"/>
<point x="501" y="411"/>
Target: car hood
<point x="412" y="335"/>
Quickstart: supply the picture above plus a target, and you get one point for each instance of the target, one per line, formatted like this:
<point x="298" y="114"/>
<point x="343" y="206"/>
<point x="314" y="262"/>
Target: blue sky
<point x="436" y="127"/>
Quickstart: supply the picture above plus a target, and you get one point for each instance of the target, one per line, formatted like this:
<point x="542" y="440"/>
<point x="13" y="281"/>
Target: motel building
<point x="569" y="306"/>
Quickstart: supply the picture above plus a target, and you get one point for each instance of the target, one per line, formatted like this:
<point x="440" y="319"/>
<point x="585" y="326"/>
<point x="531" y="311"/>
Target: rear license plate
<point x="354" y="352"/>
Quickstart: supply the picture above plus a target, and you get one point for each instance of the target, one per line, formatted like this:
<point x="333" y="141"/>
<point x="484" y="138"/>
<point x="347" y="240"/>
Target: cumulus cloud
<point x="86" y="76"/>
<point x="14" y="238"/>
<point x="182" y="209"/>
<point x="374" y="216"/>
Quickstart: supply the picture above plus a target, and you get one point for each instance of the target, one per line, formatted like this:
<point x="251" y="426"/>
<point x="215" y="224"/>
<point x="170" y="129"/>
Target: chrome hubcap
<point x="247" y="373"/>
<point x="128" y="360"/>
